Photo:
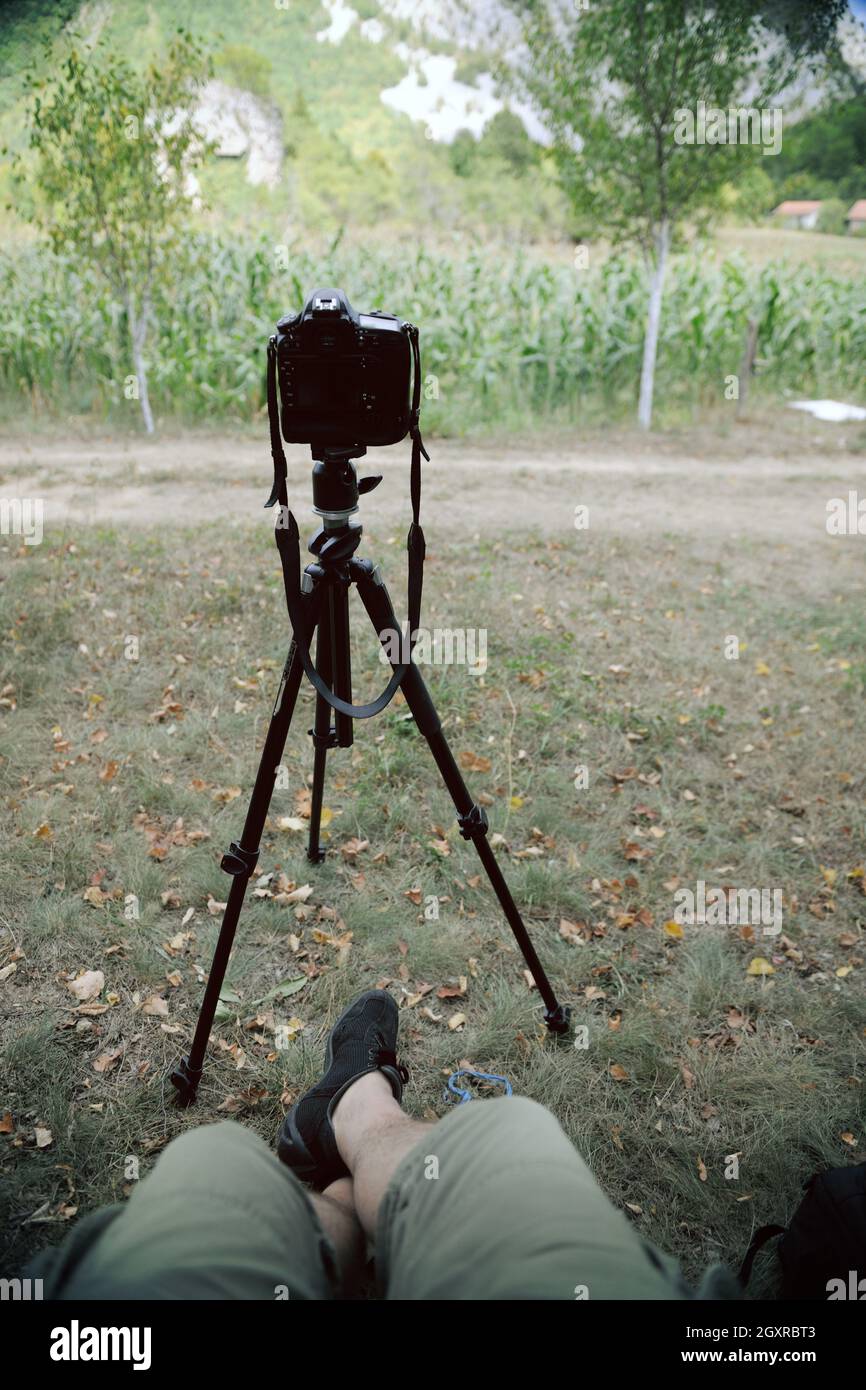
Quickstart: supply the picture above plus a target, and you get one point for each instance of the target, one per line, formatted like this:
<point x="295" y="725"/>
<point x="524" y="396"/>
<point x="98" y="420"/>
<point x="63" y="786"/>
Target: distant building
<point x="855" y="218"/>
<point x="801" y="213"/>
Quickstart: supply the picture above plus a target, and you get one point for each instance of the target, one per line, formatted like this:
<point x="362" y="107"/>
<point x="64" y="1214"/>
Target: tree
<point x="115" y="150"/>
<point x="619" y="82"/>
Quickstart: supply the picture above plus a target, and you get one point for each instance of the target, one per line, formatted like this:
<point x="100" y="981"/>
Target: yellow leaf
<point x="759" y="965"/>
<point x="843" y="971"/>
<point x="617" y="1072"/>
<point x="43" y="832"/>
<point x="761" y="668"/>
<point x="674" y="929"/>
<point x="516" y="802"/>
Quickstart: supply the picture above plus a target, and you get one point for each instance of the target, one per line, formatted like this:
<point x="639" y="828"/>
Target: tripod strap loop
<point x="288" y="539"/>
<point x="288" y="544"/>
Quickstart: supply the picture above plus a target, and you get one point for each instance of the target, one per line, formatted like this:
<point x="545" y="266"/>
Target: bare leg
<point x="335" y="1208"/>
<point x="372" y="1136"/>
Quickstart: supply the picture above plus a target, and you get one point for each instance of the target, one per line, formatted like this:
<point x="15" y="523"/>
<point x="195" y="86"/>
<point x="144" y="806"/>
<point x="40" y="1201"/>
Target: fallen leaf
<point x="352" y="848"/>
<point x="296" y="895"/>
<point x="225" y="794"/>
<point x="155" y="1007"/>
<point x="759" y="965"/>
<point x="617" y="1072"/>
<point x="471" y="762"/>
<point x="87" y="986"/>
<point x="108" y="1060"/>
<point x="44" y="1137"/>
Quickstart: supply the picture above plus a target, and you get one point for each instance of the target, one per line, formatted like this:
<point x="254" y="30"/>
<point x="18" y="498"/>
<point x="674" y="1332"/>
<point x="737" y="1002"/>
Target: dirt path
<point x="770" y="480"/>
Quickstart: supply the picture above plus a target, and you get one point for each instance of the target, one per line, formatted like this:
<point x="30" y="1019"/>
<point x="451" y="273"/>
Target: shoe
<point x="363" y="1040"/>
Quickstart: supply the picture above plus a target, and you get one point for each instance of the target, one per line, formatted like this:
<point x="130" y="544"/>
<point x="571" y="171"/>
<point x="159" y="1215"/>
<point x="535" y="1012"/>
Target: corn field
<point x="505" y="339"/>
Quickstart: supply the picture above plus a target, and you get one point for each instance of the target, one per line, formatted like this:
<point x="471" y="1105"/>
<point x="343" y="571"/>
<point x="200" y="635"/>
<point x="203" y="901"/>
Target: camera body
<point x="344" y="377"/>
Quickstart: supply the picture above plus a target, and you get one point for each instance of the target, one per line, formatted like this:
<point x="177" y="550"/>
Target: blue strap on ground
<point x="464" y="1093"/>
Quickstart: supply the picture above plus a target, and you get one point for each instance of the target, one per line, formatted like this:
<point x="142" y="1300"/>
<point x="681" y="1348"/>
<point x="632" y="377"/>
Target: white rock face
<point x="243" y="126"/>
<point x="852" y="41"/>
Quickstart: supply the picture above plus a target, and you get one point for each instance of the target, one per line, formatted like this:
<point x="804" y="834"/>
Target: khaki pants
<point x="493" y="1203"/>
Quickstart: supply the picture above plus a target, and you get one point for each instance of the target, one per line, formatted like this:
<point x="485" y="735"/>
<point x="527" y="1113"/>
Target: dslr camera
<point x="344" y="377"/>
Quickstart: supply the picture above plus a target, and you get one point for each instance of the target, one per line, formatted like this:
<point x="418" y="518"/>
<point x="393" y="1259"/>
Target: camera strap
<point x="288" y="539"/>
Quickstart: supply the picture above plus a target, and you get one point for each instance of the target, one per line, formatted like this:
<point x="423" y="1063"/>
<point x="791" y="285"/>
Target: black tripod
<point x="320" y="606"/>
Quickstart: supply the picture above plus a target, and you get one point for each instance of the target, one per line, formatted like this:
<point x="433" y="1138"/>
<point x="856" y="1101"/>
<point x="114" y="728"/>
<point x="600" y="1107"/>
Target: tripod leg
<point x="321" y="735"/>
<point x="241" y="859"/>
<point x="471" y="817"/>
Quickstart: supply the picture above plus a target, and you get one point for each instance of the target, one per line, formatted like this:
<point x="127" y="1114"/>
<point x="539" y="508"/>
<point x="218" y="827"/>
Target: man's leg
<point x="219" y="1217"/>
<point x="492" y="1202"/>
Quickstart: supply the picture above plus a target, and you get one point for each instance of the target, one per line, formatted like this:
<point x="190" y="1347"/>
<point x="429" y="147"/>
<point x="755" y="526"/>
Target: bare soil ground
<point x="770" y="476"/>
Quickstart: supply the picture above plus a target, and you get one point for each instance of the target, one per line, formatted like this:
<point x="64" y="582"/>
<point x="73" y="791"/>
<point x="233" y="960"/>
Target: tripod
<point x="321" y="607"/>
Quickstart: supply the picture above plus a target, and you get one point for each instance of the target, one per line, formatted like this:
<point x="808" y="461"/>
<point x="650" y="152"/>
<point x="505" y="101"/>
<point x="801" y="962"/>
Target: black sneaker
<point x="364" y="1039"/>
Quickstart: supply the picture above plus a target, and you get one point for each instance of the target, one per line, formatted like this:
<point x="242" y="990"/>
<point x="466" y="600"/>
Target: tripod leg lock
<point x="474" y="824"/>
<point x="328" y="740"/>
<point x="558" y="1020"/>
<point x="239" y="862"/>
<point x="185" y="1080"/>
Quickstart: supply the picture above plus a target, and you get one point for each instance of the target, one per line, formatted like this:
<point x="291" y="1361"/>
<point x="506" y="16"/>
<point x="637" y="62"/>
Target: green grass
<point x="716" y="1062"/>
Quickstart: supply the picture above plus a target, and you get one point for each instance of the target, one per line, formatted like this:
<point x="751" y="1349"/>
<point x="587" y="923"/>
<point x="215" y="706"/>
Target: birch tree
<point x="114" y="150"/>
<point x="615" y="81"/>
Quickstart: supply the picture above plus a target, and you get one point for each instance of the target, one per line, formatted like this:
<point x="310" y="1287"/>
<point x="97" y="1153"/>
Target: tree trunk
<point x="747" y="366"/>
<point x="138" y="333"/>
<point x="654" y="314"/>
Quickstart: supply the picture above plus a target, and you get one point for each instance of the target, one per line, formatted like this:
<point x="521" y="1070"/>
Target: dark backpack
<point x="826" y="1239"/>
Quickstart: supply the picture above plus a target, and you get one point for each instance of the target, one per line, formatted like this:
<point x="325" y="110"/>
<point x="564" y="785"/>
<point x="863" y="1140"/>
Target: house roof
<point x="795" y="208"/>
<point x="857" y="212"/>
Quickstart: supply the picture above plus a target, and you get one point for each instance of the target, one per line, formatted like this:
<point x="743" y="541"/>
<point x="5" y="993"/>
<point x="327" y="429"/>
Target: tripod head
<point x="336" y="486"/>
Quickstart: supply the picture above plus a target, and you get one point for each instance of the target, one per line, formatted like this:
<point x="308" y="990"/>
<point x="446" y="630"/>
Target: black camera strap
<point x="288" y="539"/>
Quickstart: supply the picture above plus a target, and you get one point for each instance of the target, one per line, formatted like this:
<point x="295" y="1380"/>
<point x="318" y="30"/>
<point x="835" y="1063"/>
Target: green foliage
<point x="826" y="150"/>
<point x="512" y="340"/>
<point x="244" y="67"/>
<point x="609" y="81"/>
<point x="752" y="195"/>
<point x="831" y="218"/>
<point x="504" y="138"/>
<point x="114" y="151"/>
<point x="113" y="155"/>
<point x="462" y="153"/>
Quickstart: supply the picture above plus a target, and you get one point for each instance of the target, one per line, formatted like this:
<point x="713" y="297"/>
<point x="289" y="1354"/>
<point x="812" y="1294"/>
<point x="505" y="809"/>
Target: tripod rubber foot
<point x="558" y="1020"/>
<point x="185" y="1080"/>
